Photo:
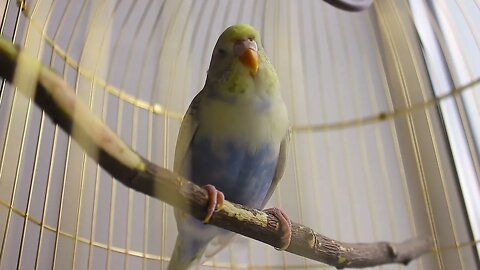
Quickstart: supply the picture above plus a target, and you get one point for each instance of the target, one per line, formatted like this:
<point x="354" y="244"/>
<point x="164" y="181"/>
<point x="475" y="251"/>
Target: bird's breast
<point x="243" y="176"/>
<point x="236" y="146"/>
<point x="252" y="123"/>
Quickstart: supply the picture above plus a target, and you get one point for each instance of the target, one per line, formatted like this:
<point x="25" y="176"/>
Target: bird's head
<point x="238" y="44"/>
<point x="239" y="61"/>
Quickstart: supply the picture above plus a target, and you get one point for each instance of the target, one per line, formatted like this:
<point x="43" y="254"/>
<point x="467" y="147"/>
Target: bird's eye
<point x="221" y="52"/>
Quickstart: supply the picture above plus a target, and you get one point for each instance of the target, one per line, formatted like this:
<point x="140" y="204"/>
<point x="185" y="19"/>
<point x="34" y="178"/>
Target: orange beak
<point x="247" y="52"/>
<point x="250" y="59"/>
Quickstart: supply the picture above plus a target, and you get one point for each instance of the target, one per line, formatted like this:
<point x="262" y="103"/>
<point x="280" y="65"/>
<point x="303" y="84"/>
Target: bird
<point x="232" y="141"/>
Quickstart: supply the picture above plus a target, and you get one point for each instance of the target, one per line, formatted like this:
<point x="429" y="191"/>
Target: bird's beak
<point x="250" y="59"/>
<point x="247" y="52"/>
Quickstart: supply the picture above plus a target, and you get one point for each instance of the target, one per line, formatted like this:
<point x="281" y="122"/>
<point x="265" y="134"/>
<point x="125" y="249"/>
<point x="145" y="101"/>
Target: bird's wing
<point x="280" y="170"/>
<point x="181" y="165"/>
<point x="186" y="134"/>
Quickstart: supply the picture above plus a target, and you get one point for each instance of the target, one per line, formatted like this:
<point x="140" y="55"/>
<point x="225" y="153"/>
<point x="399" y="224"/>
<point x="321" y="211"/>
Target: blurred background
<point x="384" y="106"/>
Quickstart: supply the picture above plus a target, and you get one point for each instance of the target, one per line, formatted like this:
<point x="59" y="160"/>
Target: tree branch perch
<point x="58" y="100"/>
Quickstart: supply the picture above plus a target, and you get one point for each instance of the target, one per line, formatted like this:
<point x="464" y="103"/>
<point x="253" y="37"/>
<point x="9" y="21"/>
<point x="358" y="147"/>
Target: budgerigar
<point x="233" y="137"/>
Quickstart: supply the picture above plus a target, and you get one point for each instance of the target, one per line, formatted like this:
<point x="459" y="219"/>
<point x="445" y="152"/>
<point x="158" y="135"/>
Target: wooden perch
<point x="58" y="100"/>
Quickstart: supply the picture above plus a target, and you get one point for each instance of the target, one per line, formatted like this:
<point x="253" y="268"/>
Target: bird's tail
<point x="186" y="253"/>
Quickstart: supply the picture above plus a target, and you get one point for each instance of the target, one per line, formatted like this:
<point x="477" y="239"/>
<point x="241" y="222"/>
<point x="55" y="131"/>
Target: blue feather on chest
<point x="244" y="177"/>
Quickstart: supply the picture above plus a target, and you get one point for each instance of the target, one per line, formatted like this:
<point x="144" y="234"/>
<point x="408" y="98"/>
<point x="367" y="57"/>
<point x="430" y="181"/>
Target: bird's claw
<point x="215" y="199"/>
<point x="285" y="226"/>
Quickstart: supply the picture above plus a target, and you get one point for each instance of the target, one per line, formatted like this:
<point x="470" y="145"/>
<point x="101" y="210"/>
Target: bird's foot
<point x="215" y="199"/>
<point x="285" y="226"/>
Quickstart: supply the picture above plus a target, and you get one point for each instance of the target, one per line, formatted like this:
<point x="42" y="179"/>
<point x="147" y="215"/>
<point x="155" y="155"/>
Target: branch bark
<point x="58" y="100"/>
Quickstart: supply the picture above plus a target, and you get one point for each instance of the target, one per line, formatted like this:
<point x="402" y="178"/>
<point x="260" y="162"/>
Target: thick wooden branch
<point x="58" y="100"/>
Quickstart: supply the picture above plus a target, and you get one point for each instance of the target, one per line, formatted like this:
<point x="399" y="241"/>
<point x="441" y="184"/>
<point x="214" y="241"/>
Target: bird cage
<point x="384" y="105"/>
